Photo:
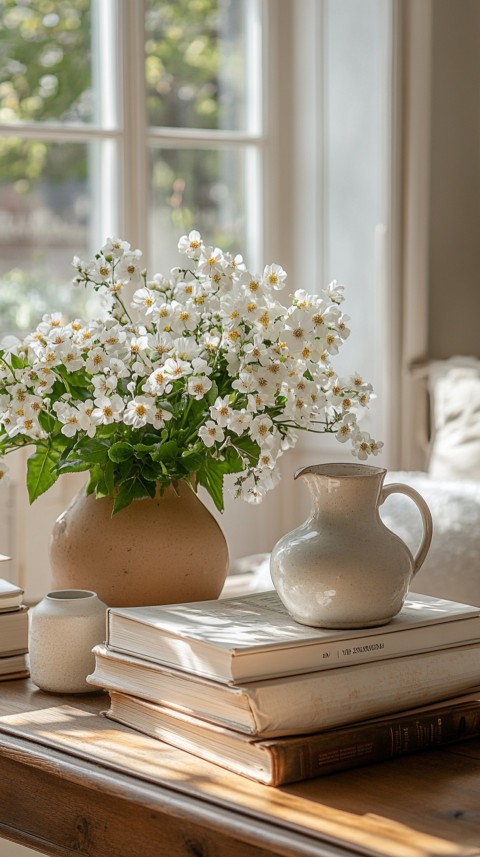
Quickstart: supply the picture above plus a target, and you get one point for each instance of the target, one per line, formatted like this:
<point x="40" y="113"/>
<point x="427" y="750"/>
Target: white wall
<point x="454" y="294"/>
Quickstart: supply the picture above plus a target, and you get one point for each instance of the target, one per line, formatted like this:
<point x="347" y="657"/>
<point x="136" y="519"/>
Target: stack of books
<point x="13" y="632"/>
<point x="238" y="682"/>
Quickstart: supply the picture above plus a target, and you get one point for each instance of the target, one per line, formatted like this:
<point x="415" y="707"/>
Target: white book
<point x="13" y="666"/>
<point x="251" y="638"/>
<point x="14" y="632"/>
<point x="10" y="596"/>
<point x="292" y="705"/>
<point x="276" y="761"/>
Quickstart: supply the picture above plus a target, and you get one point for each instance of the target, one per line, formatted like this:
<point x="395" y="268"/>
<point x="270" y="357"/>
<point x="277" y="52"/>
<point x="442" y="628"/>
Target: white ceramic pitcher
<point x="343" y="568"/>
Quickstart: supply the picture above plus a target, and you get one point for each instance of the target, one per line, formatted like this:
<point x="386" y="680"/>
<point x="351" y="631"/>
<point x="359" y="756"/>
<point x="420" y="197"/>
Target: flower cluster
<point x="193" y="376"/>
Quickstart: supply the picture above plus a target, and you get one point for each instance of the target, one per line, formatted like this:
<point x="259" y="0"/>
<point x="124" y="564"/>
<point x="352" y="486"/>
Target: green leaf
<point x="42" y="470"/>
<point x="47" y="422"/>
<point x="121" y="451"/>
<point x="109" y="478"/>
<point x="212" y="393"/>
<point x="246" y="444"/>
<point x="165" y="450"/>
<point x="95" y="477"/>
<point x="211" y="475"/>
<point x="94" y="451"/>
<point x="16" y="361"/>
<point x="132" y="489"/>
<point x="191" y="461"/>
<point x="77" y="378"/>
<point x="75" y="466"/>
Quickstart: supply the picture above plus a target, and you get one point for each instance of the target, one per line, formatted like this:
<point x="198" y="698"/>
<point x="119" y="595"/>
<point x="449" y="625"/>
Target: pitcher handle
<point x="397" y="487"/>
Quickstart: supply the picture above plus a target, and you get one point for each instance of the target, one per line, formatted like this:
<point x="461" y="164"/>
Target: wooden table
<point x="73" y="782"/>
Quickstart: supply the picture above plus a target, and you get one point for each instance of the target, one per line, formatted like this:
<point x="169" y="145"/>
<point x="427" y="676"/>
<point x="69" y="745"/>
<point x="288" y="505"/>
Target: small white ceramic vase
<point x="64" y="627"/>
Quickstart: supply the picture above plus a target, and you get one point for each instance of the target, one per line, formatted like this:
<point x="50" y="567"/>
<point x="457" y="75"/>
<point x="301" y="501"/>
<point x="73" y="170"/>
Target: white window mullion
<point x="105" y="160"/>
<point x="133" y="171"/>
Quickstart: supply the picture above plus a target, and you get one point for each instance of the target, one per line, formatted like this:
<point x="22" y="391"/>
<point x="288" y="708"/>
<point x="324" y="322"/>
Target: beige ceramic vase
<point x="343" y="568"/>
<point x="155" y="551"/>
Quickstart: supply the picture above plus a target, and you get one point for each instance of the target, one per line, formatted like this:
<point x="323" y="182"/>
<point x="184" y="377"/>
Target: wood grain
<point x="73" y="782"/>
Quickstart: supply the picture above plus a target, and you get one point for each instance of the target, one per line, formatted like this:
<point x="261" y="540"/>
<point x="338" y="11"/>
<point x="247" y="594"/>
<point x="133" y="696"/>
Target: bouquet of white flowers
<point x="201" y="374"/>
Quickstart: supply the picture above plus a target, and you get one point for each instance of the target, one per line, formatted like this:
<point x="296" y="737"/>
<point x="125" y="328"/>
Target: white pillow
<point x="454" y="387"/>
<point x="452" y="566"/>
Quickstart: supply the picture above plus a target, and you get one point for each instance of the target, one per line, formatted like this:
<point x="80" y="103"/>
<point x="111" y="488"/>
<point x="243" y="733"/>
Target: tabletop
<point x="74" y="782"/>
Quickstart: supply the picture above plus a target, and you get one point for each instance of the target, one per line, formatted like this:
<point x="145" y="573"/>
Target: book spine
<point x="327" y="700"/>
<point x="364" y="744"/>
<point x="330" y="654"/>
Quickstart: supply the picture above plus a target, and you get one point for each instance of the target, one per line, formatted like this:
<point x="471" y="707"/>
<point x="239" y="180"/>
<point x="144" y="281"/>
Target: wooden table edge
<point x="246" y="826"/>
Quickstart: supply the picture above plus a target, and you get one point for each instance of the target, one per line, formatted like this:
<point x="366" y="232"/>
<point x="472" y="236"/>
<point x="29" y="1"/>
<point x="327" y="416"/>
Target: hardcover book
<point x="290" y="759"/>
<point x="252" y="638"/>
<point x="13" y="666"/>
<point x="306" y="702"/>
<point x="10" y="596"/>
<point x="14" y="632"/>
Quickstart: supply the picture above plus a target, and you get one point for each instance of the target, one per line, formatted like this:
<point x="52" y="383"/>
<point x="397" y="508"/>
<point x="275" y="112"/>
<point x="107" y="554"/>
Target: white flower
<point x="239" y="421"/>
<point x="144" y="299"/>
<point x="24" y="422"/>
<point x="221" y="411"/>
<point x="256" y="350"/>
<point x="85" y="417"/>
<point x="260" y="429"/>
<point x="115" y="248"/>
<point x="362" y="445"/>
<point x="334" y="292"/>
<point x="158" y="416"/>
<point x="198" y="386"/>
<point x="174" y="369"/>
<point x="108" y="409"/>
<point x="157" y="383"/>
<point x="185" y="317"/>
<point x="69" y="416"/>
<point x="70" y="356"/>
<point x="129" y="269"/>
<point x="210" y="262"/>
<point x="97" y="361"/>
<point x="99" y="270"/>
<point x="245" y="383"/>
<point x="211" y="433"/>
<point x="191" y="244"/>
<point x="274" y="276"/>
<point x="104" y="385"/>
<point x="137" y="411"/>
<point x="49" y="322"/>
<point x="347" y="428"/>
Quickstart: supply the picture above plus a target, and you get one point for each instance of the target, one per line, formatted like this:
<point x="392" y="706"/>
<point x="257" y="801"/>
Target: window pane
<point x="45" y="63"/>
<point x="357" y="73"/>
<point x="44" y="221"/>
<point x="201" y="56"/>
<point x="200" y="189"/>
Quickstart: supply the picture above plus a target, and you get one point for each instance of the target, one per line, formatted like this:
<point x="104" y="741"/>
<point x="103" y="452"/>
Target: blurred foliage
<point x="195" y="57"/>
<point x="26" y="296"/>
<point x="45" y="75"/>
<point x="194" y="63"/>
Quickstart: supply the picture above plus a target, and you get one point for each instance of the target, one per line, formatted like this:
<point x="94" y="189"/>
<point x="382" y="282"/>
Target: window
<point x="144" y="118"/>
<point x="139" y="119"/>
